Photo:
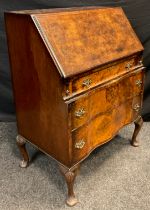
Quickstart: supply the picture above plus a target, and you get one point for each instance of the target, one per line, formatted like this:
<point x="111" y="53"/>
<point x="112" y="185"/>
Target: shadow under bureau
<point x="77" y="78"/>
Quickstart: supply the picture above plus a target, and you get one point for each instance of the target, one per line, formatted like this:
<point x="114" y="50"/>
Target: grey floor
<point x="115" y="176"/>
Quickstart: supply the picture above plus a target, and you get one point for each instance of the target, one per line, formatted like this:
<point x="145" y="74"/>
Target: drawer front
<point x="100" y="76"/>
<point x="100" y="100"/>
<point x="103" y="128"/>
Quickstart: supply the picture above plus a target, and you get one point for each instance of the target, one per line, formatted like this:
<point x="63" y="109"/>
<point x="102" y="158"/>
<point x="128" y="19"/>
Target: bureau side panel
<point x="42" y="115"/>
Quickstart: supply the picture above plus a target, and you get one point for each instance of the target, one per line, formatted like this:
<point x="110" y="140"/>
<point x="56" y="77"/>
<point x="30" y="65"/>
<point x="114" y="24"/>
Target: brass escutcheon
<point x="128" y="66"/>
<point x="140" y="62"/>
<point x="87" y="82"/>
<point x="67" y="92"/>
<point x="136" y="107"/>
<point x="80" y="144"/>
<point x="80" y="112"/>
<point x="138" y="82"/>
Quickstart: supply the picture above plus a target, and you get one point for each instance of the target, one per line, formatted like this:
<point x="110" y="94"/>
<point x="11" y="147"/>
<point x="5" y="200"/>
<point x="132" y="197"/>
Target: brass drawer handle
<point x="138" y="82"/>
<point x="128" y="66"/>
<point x="80" y="144"/>
<point x="80" y="112"/>
<point x="140" y="62"/>
<point x="136" y="107"/>
<point x="87" y="82"/>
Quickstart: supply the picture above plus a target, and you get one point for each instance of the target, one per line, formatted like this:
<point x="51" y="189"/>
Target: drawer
<point x="99" y="76"/>
<point x="103" y="128"/>
<point x="98" y="101"/>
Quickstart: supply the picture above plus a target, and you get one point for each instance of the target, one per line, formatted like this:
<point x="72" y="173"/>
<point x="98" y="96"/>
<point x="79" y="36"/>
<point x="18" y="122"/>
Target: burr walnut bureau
<point x="77" y="78"/>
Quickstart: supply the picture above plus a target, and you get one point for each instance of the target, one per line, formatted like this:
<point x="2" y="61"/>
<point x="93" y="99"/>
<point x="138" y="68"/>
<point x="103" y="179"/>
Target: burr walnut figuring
<point x="77" y="79"/>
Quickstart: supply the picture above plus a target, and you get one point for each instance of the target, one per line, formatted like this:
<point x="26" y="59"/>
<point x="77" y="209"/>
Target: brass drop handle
<point x="87" y="82"/>
<point x="80" y="112"/>
<point x="128" y="66"/>
<point x="136" y="107"/>
<point x="140" y="62"/>
<point x="138" y="82"/>
<point x="80" y="144"/>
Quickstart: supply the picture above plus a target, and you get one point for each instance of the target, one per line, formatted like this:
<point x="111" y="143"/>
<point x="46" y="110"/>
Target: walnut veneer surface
<point x="77" y="78"/>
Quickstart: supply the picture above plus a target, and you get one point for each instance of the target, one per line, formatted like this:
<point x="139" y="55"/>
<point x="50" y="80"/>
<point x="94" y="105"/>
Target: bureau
<point x="77" y="78"/>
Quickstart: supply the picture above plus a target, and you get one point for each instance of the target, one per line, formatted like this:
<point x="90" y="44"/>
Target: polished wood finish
<point x="70" y="176"/>
<point x="105" y="35"/>
<point x="101" y="129"/>
<point x="21" y="142"/>
<point x="41" y="111"/>
<point x="102" y="75"/>
<point x="111" y="95"/>
<point x="138" y="124"/>
<point x="77" y="78"/>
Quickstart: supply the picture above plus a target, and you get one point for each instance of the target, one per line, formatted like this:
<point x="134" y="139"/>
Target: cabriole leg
<point x="70" y="176"/>
<point x="21" y="142"/>
<point x="138" y="124"/>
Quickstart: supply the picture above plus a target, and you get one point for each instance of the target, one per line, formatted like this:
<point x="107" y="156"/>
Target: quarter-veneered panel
<point x="101" y="129"/>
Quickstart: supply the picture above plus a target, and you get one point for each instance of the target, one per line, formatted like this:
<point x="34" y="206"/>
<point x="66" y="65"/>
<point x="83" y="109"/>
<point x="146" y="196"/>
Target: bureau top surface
<point x="79" y="40"/>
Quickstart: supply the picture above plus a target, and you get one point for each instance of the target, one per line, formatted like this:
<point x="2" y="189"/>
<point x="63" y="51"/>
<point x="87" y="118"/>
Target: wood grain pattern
<point x="92" y="38"/>
<point x="77" y="78"/>
<point x="44" y="115"/>
<point x="110" y="96"/>
<point x="100" y="76"/>
<point x="102" y="128"/>
<point x="41" y="112"/>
